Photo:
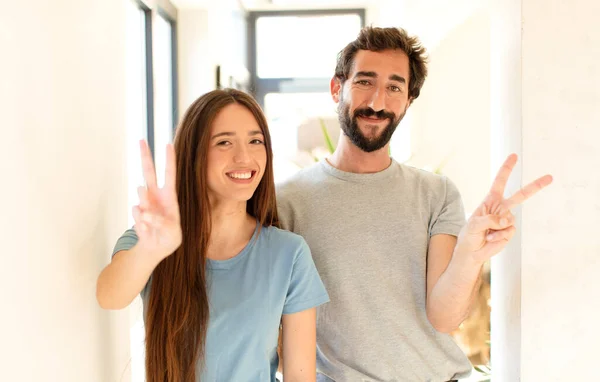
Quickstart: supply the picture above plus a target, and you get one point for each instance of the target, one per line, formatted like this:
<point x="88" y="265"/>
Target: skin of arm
<point x="300" y="346"/>
<point x="451" y="284"/>
<point x="125" y="277"/>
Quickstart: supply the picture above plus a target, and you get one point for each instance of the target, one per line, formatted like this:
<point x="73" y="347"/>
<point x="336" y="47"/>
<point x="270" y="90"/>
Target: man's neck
<point x="349" y="158"/>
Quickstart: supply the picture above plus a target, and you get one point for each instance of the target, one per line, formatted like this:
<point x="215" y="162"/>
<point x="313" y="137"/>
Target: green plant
<point x="328" y="142"/>
<point x="485" y="371"/>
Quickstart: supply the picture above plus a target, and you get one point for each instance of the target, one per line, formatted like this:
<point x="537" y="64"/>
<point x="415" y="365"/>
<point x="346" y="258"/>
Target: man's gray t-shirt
<point x="369" y="234"/>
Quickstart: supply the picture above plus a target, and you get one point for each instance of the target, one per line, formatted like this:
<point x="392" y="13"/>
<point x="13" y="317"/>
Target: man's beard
<point x="350" y="127"/>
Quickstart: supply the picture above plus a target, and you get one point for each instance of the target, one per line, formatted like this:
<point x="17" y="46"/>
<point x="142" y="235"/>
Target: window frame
<point x="172" y="20"/>
<point x="260" y="87"/>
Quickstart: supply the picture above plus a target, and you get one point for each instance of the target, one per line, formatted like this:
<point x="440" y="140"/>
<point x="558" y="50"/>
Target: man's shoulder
<point x="426" y="184"/>
<point x="302" y="181"/>
<point x="422" y="176"/>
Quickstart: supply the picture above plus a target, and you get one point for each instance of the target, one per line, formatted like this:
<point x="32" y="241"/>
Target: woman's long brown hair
<point x="178" y="307"/>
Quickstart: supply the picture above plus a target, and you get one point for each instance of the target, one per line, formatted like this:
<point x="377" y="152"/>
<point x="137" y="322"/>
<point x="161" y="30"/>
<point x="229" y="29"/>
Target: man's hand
<point x="491" y="227"/>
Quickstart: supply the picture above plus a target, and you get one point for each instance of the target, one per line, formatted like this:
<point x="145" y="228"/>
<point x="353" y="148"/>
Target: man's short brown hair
<point x="379" y="39"/>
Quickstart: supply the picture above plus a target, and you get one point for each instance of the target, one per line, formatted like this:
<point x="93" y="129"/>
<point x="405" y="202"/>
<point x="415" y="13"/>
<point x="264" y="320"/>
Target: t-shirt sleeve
<point x="306" y="290"/>
<point x="127" y="241"/>
<point x="451" y="216"/>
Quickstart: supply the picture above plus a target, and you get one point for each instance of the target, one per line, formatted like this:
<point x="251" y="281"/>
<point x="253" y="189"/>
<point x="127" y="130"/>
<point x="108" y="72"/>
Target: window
<point x="151" y="114"/>
<point x="165" y="89"/>
<point x="139" y="113"/>
<point x="286" y="47"/>
<point x="140" y="125"/>
<point x="295" y="51"/>
<point x="292" y="56"/>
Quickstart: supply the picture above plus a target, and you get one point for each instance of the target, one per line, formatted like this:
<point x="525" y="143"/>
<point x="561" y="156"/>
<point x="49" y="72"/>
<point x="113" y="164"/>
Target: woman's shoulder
<point x="277" y="234"/>
<point x="284" y="239"/>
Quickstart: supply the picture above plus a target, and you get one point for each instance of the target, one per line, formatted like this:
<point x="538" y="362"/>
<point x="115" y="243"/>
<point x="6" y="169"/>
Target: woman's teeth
<point x="240" y="175"/>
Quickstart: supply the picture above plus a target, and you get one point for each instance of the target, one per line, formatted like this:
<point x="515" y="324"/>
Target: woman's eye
<point x="224" y="143"/>
<point x="256" y="142"/>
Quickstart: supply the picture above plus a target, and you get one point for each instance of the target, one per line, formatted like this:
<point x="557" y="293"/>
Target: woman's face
<point x="237" y="155"/>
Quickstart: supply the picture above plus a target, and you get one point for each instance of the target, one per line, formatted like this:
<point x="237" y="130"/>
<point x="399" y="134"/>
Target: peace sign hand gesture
<point x="491" y="227"/>
<point x="157" y="221"/>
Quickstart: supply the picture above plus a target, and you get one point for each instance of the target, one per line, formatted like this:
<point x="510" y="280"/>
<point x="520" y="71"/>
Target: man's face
<point x="374" y="98"/>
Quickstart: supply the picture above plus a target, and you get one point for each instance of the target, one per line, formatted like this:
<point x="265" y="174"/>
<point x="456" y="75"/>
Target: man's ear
<point x="335" y="86"/>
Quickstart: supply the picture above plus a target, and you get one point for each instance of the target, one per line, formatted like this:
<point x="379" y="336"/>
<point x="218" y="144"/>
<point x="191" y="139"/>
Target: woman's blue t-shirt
<point x="273" y="275"/>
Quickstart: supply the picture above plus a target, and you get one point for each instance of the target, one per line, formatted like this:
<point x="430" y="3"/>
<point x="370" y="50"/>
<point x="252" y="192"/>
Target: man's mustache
<point x="370" y="113"/>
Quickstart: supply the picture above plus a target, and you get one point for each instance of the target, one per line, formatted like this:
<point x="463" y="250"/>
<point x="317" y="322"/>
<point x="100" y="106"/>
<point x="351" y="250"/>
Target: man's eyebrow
<point x="365" y="74"/>
<point x="398" y="78"/>
<point x="393" y="77"/>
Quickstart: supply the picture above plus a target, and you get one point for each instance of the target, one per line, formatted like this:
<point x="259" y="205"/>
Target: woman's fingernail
<point x="489" y="237"/>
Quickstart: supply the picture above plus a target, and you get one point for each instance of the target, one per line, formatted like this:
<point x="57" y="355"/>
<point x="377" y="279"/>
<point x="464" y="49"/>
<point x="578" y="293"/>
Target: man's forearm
<point x="452" y="296"/>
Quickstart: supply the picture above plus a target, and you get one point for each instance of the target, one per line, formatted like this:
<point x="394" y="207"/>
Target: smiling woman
<point x="215" y="273"/>
<point x="237" y="153"/>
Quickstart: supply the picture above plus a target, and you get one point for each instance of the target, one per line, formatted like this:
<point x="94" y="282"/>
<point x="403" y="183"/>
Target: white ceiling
<point x="277" y="4"/>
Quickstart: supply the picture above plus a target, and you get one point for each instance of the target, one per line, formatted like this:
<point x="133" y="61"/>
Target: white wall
<point x="506" y="133"/>
<point x="209" y="35"/>
<point x="449" y="123"/>
<point x="63" y="192"/>
<point x="561" y="245"/>
<point x="554" y="77"/>
<point x="196" y="64"/>
<point x="450" y="119"/>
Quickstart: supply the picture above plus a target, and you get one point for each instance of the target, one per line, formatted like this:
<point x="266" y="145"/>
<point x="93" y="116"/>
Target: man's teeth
<point x="240" y="175"/>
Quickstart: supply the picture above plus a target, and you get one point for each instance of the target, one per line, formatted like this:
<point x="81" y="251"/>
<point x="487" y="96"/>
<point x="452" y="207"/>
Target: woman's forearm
<point x="125" y="277"/>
